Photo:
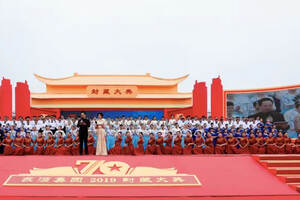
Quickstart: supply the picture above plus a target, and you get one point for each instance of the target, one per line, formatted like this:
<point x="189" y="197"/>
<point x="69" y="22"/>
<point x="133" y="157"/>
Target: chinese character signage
<point x="112" y="91"/>
<point x="113" y="173"/>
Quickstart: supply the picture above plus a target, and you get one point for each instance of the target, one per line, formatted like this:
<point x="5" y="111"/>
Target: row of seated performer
<point x="176" y="145"/>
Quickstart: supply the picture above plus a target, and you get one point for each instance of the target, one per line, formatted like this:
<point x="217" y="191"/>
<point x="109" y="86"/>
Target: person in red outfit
<point x="50" y="142"/>
<point x="199" y="143"/>
<point x="297" y="144"/>
<point x="279" y="144"/>
<point x="209" y="146"/>
<point x="261" y="144"/>
<point x="232" y="143"/>
<point x="139" y="150"/>
<point x="188" y="144"/>
<point x="8" y="142"/>
<point x="159" y="144"/>
<point x="18" y="143"/>
<point x="270" y="144"/>
<point x="151" y="146"/>
<point x="27" y="144"/>
<point x="116" y="150"/>
<point x="244" y="144"/>
<point x="168" y="144"/>
<point x="177" y="148"/>
<point x="220" y="144"/>
<point x="68" y="144"/>
<point x="91" y="142"/>
<point x="289" y="146"/>
<point x="60" y="145"/>
<point x="253" y="144"/>
<point x="40" y="142"/>
<point x="75" y="150"/>
<point x="128" y="149"/>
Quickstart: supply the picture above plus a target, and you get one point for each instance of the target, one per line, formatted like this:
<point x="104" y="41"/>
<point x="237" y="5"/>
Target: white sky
<point x="250" y="43"/>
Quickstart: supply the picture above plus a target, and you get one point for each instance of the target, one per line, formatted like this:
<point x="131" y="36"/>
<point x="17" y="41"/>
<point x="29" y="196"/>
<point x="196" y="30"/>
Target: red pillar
<point x="200" y="99"/>
<point x="22" y="100"/>
<point x="5" y="98"/>
<point x="165" y="110"/>
<point x="217" y="98"/>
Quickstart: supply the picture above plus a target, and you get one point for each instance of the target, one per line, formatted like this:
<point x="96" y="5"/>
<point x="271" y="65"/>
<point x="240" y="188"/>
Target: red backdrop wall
<point x="200" y="99"/>
<point x="22" y="100"/>
<point x="217" y="98"/>
<point x="5" y="98"/>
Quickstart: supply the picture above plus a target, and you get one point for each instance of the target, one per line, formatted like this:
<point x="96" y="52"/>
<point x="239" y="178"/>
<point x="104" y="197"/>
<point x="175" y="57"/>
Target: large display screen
<point x="277" y="106"/>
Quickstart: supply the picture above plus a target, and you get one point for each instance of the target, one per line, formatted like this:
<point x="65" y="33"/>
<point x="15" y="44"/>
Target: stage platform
<point x="139" y="177"/>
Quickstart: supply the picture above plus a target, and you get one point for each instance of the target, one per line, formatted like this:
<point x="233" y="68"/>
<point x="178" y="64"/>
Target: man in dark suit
<point x="267" y="112"/>
<point x="83" y="124"/>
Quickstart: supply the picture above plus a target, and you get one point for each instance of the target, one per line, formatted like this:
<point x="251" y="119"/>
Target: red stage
<point x="221" y="176"/>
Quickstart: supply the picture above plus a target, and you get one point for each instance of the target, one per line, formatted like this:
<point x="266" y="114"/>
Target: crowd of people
<point x="138" y="136"/>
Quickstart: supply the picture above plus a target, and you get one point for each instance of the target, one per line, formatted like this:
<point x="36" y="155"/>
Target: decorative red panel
<point x="22" y="100"/>
<point x="200" y="99"/>
<point x="217" y="98"/>
<point x="5" y="98"/>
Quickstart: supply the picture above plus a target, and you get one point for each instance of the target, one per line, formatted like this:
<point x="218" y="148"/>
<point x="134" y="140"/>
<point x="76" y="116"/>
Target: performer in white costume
<point x="101" y="136"/>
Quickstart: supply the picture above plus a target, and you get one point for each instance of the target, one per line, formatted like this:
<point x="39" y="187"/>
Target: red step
<point x="279" y="157"/>
<point x="292" y="179"/>
<point x="278" y="164"/>
<point x="288" y="171"/>
<point x="298" y="189"/>
<point x="287" y="167"/>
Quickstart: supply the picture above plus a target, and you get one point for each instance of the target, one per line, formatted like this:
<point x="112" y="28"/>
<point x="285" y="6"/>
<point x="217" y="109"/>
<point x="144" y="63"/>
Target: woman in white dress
<point x="101" y="135"/>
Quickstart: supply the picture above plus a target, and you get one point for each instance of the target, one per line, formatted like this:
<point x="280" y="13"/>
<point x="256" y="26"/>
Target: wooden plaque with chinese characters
<point x="112" y="91"/>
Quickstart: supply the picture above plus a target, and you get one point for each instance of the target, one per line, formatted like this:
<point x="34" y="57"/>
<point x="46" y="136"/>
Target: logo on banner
<point x="102" y="173"/>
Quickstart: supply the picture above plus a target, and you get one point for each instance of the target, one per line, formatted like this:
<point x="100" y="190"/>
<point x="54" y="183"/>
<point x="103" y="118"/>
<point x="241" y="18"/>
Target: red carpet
<point x="222" y="177"/>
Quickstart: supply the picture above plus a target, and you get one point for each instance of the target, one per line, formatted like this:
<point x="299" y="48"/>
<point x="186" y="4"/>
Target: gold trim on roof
<point x="80" y="79"/>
